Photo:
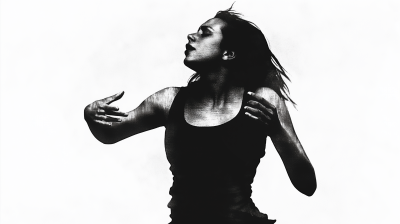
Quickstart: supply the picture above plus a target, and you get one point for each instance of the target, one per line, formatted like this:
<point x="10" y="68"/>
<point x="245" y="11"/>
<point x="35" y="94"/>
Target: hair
<point x="254" y="62"/>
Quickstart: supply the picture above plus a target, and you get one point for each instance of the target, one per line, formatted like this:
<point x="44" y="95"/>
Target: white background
<point x="59" y="56"/>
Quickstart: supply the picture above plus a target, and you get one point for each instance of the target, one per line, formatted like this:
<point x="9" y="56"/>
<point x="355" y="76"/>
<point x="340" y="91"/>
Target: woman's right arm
<point x="108" y="125"/>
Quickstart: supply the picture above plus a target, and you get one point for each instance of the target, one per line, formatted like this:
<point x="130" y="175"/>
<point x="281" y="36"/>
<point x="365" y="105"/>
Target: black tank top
<point x="213" y="168"/>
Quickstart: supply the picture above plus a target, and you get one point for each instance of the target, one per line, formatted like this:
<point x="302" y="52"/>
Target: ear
<point x="228" y="55"/>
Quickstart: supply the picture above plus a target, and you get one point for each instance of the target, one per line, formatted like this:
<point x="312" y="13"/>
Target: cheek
<point x="213" y="48"/>
<point x="211" y="51"/>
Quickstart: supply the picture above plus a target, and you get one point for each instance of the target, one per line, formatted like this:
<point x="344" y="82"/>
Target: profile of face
<point x="204" y="48"/>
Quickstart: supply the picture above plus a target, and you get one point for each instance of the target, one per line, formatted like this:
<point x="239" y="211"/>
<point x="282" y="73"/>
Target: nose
<point x="191" y="37"/>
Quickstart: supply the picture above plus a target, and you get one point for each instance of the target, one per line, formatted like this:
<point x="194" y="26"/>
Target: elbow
<point x="310" y="190"/>
<point x="106" y="141"/>
<point x="312" y="186"/>
<point x="307" y="187"/>
<point x="305" y="181"/>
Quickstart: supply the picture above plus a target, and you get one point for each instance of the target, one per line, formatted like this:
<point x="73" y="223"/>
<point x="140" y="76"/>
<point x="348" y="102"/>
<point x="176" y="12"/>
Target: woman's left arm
<point x="270" y="110"/>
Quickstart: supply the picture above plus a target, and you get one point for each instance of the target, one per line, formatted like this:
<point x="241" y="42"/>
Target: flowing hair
<point x="254" y="63"/>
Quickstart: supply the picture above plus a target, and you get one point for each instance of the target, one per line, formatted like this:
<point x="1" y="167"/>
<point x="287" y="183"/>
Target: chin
<point x="190" y="64"/>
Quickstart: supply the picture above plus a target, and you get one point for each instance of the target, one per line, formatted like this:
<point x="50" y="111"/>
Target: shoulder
<point x="270" y="95"/>
<point x="167" y="93"/>
<point x="163" y="98"/>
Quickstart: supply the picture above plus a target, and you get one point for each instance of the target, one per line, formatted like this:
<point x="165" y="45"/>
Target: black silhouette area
<point x="217" y="126"/>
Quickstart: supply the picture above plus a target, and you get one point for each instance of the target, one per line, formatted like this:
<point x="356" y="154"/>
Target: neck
<point x="218" y="88"/>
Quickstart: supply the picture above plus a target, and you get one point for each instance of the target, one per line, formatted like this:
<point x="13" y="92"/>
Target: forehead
<point x="215" y="23"/>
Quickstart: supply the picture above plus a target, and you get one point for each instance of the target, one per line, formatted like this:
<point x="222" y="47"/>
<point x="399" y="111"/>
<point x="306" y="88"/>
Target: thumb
<point x="113" y="98"/>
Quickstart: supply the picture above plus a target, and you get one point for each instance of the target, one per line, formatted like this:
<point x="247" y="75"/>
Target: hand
<point x="101" y="111"/>
<point x="263" y="112"/>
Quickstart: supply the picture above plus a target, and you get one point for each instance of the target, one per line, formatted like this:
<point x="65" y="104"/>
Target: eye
<point x="204" y="31"/>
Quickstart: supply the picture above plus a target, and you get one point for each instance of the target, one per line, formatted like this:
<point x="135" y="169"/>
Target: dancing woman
<point x="216" y="127"/>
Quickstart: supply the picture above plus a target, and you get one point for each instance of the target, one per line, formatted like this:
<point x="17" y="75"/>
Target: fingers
<point x="116" y="97"/>
<point x="117" y="113"/>
<point x="261" y="107"/>
<point x="101" y="112"/>
<point x="110" y="110"/>
<point x="257" y="114"/>
<point x="107" y="118"/>
<point x="251" y="116"/>
<point x="109" y="107"/>
<point x="103" y="122"/>
<point x="261" y="100"/>
<point x="113" y="98"/>
<point x="262" y="104"/>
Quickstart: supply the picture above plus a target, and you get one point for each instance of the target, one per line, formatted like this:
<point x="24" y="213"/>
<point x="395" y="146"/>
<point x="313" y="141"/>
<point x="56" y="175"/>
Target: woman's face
<point x="204" y="47"/>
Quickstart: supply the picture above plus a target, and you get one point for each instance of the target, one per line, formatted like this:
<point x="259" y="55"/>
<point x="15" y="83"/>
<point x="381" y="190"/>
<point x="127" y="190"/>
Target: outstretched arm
<point x="270" y="110"/>
<point x="109" y="125"/>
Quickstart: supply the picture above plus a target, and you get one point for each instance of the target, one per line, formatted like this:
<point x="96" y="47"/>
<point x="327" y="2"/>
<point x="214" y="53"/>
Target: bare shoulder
<point x="167" y="94"/>
<point x="163" y="98"/>
<point x="279" y="103"/>
<point x="270" y="95"/>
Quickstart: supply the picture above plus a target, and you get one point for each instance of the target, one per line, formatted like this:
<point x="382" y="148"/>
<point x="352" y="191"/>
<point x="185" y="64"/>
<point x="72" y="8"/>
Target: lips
<point x="189" y="47"/>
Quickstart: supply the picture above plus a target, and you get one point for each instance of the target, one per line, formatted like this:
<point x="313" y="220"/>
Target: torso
<point x="213" y="163"/>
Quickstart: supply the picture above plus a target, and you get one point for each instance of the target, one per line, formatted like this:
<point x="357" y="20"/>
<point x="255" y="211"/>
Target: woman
<point x="216" y="127"/>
